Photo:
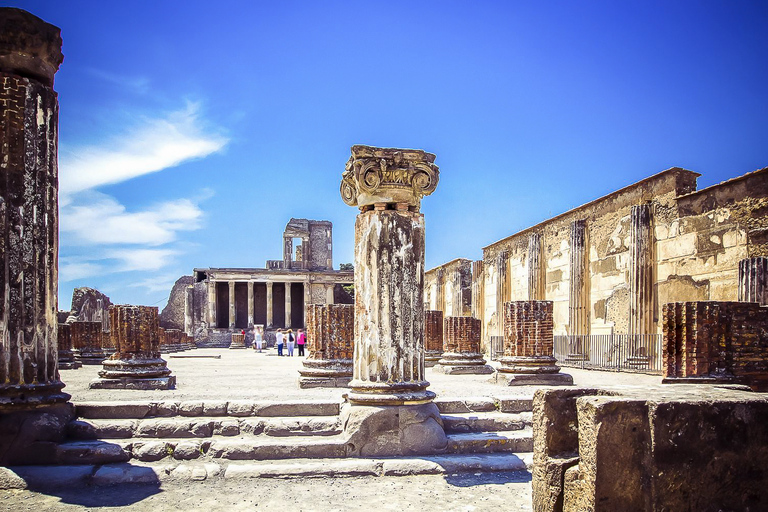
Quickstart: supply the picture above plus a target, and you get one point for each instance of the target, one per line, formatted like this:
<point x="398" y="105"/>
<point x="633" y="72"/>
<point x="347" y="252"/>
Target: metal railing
<point x="618" y="352"/>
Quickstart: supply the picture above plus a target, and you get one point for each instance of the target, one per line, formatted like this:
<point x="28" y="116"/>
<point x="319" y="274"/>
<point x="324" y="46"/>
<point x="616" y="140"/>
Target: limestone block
<point x="678" y="247"/>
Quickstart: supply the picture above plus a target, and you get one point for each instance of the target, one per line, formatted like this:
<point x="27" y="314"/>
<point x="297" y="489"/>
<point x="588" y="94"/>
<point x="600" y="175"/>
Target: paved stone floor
<point x="244" y="374"/>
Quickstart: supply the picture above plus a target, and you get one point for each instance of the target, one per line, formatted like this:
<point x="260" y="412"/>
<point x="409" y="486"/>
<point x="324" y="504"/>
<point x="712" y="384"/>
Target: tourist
<point x="290" y="342"/>
<point x="279" y="341"/>
<point x="258" y="338"/>
<point x="300" y="341"/>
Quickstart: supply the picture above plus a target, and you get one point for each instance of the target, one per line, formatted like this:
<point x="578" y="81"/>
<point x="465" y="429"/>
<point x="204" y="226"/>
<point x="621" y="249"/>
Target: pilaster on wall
<point x="478" y="290"/>
<point x="578" y="307"/>
<point x="753" y="280"/>
<point x="641" y="296"/>
<point x="502" y="290"/>
<point x="440" y="290"/>
<point x="536" y="271"/>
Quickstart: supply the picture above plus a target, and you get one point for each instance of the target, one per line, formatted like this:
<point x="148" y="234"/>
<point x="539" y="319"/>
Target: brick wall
<point x="64" y="337"/>
<point x="134" y="330"/>
<point x="528" y="328"/>
<point x="330" y="331"/>
<point x="433" y="330"/>
<point x="711" y="338"/>
<point x="86" y="335"/>
<point x="462" y="335"/>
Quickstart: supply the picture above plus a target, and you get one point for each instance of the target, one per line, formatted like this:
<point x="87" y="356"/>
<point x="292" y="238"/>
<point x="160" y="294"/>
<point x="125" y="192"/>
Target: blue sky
<point x="190" y="132"/>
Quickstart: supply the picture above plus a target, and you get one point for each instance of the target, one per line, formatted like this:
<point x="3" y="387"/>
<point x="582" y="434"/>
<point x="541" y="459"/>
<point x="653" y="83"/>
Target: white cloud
<point x="142" y="259"/>
<point x="71" y="269"/>
<point x="156" y="284"/>
<point x="154" y="145"/>
<point x="94" y="218"/>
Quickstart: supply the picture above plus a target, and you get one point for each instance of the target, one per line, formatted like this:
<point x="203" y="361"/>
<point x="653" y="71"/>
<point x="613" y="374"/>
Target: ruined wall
<point x="448" y="288"/>
<point x="172" y="316"/>
<point x="653" y="242"/>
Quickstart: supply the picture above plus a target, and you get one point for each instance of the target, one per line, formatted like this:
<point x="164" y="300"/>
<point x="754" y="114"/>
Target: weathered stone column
<point x="137" y="363"/>
<point x="189" y="301"/>
<point x="212" y="304"/>
<point x="433" y="337"/>
<point x="33" y="408"/>
<point x="330" y="345"/>
<point x="287" y="305"/>
<point x="439" y="290"/>
<point x="578" y="294"/>
<point x="250" y="304"/>
<point x="270" y="315"/>
<point x="501" y="290"/>
<point x="88" y="342"/>
<point x="232" y="308"/>
<point x="461" y="347"/>
<point x="329" y="294"/>
<point x="641" y="271"/>
<point x="529" y="346"/>
<point x="391" y="411"/>
<point x="753" y="280"/>
<point x="536" y="273"/>
<point x="67" y="359"/>
<point x="478" y="289"/>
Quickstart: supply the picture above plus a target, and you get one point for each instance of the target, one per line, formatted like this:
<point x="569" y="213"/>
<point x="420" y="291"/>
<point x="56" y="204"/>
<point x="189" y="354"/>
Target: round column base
<point x="383" y="393"/>
<point x="135" y="368"/>
<point x="528" y="364"/>
<point x="471" y="363"/>
<point x="431" y="357"/>
<point x="325" y="373"/>
<point x="31" y="395"/>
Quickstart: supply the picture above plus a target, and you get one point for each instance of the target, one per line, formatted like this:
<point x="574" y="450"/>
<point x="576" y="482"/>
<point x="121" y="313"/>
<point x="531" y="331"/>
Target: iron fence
<point x="618" y="352"/>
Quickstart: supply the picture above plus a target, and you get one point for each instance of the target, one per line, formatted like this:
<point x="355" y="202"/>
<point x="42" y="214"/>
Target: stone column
<point x="232" y="308"/>
<point x="478" y="296"/>
<point x="529" y="346"/>
<point x="578" y="294"/>
<point x="501" y="293"/>
<point x="641" y="271"/>
<point x="189" y="302"/>
<point x="67" y="359"/>
<point x="439" y="290"/>
<point x="391" y="411"/>
<point x="211" y="304"/>
<point x="461" y="347"/>
<point x="330" y="344"/>
<point x="287" y="252"/>
<point x="238" y="341"/>
<point x="270" y="316"/>
<point x="88" y="342"/>
<point x="307" y="300"/>
<point x="536" y="271"/>
<point x="137" y="363"/>
<point x="287" y="305"/>
<point x="753" y="280"/>
<point x="30" y="387"/>
<point x="329" y="293"/>
<point x="433" y="337"/>
<point x="250" y="305"/>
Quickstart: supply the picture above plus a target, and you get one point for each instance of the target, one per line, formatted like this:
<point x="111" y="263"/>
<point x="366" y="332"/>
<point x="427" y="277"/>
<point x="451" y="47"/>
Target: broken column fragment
<point x="529" y="346"/>
<point x="238" y="340"/>
<point x="67" y="359"/>
<point x="433" y="337"/>
<point x="461" y="347"/>
<point x="88" y="342"/>
<point x="330" y="345"/>
<point x="137" y="363"/>
<point x="390" y="410"/>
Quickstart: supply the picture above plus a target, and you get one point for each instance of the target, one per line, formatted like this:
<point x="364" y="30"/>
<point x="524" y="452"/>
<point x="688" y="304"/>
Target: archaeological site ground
<point x="613" y="357"/>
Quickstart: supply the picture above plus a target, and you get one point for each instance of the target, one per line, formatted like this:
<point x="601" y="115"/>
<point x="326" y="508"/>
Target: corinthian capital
<point x="388" y="175"/>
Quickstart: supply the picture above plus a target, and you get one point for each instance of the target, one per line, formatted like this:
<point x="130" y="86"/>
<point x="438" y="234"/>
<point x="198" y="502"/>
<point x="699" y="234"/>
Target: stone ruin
<point x="330" y="343"/>
<point x="461" y="348"/>
<point x="433" y="337"/>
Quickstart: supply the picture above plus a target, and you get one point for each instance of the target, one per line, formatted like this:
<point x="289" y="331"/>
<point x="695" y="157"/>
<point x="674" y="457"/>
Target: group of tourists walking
<point x="283" y="339"/>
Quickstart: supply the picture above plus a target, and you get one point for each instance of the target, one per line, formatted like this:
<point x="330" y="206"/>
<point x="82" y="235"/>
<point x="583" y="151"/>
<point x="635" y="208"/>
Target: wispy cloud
<point x="151" y="146"/>
<point x="142" y="259"/>
<point x="137" y="84"/>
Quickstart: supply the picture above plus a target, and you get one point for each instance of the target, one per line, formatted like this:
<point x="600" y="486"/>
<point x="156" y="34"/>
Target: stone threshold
<point x="51" y="477"/>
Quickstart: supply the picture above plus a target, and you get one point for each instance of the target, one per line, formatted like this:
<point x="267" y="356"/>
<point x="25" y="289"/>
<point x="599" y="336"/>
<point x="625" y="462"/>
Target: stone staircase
<point x="243" y="438"/>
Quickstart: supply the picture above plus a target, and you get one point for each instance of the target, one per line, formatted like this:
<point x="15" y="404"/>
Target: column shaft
<point x="287" y="305"/>
<point x="250" y="304"/>
<point x="640" y="271"/>
<point x="270" y="319"/>
<point x="212" y="303"/>
<point x="232" y="308"/>
<point x="578" y="304"/>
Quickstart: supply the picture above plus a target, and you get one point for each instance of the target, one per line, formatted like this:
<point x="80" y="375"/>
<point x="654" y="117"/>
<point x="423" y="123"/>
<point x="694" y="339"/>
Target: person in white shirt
<point x="258" y="337"/>
<point x="279" y="342"/>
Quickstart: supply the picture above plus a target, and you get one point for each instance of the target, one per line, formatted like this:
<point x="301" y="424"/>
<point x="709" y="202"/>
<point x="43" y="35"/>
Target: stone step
<point x="52" y="477"/>
<point x="485" y="422"/>
<point x="491" y="442"/>
<point x="198" y="427"/>
<point x="507" y="404"/>
<point x="197" y="408"/>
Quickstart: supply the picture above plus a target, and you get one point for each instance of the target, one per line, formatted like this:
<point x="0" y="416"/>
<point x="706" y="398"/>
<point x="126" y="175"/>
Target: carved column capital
<point x="388" y="175"/>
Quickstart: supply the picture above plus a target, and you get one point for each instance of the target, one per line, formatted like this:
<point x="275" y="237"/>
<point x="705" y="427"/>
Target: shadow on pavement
<point x="104" y="496"/>
<point x="497" y="478"/>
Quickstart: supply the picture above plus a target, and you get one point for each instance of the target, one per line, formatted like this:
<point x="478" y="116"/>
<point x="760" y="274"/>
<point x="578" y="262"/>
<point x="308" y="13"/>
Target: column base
<point x="388" y="431"/>
<point x="325" y="373"/>
<point x="31" y="435"/>
<point x="383" y="393"/>
<point x="90" y="357"/>
<point x="528" y="364"/>
<point x="532" y="379"/>
<point x="67" y="360"/>
<point x="156" y="383"/>
<point x="431" y="357"/>
<point x="463" y="364"/>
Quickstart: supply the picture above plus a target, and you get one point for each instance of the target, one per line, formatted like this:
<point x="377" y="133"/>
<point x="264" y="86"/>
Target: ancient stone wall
<point x="433" y="331"/>
<point x="720" y="340"/>
<point x="172" y="316"/>
<point x="528" y="328"/>
<point x="88" y="305"/>
<point x="448" y="288"/>
<point x="461" y="335"/>
<point x="330" y="331"/>
<point x="135" y="331"/>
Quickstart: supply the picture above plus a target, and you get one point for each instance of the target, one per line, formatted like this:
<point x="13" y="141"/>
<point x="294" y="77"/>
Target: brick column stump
<point x="137" y="363"/>
<point x="461" y="348"/>
<point x="529" y="346"/>
<point x="390" y="410"/>
<point x="88" y="342"/>
<point x="238" y="341"/>
<point x="330" y="345"/>
<point x="67" y="359"/>
<point x="433" y="337"/>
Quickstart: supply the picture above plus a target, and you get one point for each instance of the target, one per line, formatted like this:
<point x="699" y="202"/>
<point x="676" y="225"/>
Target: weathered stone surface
<point x="125" y="474"/>
<point x="89" y="305"/>
<point x="150" y="451"/>
<point x="330" y="344"/>
<point x="172" y="316"/>
<point x="238" y="341"/>
<point x="67" y="359"/>
<point x="187" y="451"/>
<point x="90" y="452"/>
<point x="461" y="356"/>
<point x="393" y="430"/>
<point x="433" y="337"/>
<point x="114" y="410"/>
<point x="88" y="341"/>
